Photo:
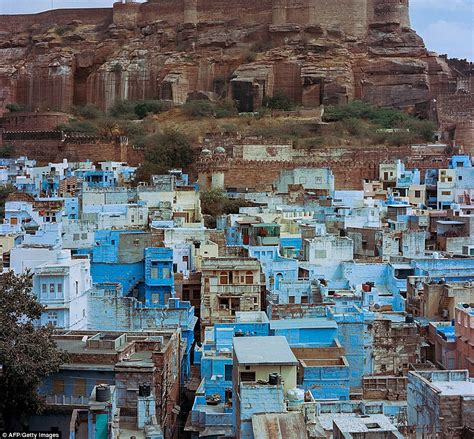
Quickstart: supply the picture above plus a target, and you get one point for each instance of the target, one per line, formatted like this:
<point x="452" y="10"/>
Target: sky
<point x="445" y="25"/>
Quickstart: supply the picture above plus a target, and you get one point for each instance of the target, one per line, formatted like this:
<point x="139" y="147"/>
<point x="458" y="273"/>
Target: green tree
<point x="164" y="151"/>
<point x="5" y="191"/>
<point x="28" y="353"/>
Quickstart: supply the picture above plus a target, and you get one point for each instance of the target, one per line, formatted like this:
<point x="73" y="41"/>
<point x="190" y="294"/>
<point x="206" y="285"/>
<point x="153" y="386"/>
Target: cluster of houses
<point x="313" y="313"/>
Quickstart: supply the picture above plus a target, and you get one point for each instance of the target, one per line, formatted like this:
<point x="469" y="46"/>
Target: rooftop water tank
<point x="102" y="393"/>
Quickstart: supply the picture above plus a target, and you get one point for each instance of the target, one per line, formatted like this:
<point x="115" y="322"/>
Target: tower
<point x="391" y="11"/>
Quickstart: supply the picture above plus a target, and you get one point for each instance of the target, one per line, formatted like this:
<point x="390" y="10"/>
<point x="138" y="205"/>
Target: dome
<point x="219" y="150"/>
<point x="206" y="151"/>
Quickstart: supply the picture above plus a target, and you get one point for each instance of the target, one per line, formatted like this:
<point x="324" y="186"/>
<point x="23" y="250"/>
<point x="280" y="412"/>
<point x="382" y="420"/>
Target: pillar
<point x="278" y="12"/>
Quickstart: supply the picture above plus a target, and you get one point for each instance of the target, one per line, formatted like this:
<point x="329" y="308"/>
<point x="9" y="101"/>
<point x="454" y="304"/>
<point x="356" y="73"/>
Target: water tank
<point x="274" y="379"/>
<point x="102" y="393"/>
<point x="144" y="389"/>
<point x="295" y="399"/>
<point x="409" y="318"/>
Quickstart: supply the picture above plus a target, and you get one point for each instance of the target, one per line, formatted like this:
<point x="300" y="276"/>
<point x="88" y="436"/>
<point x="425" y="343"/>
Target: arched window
<point x="248" y="278"/>
<point x="224" y="278"/>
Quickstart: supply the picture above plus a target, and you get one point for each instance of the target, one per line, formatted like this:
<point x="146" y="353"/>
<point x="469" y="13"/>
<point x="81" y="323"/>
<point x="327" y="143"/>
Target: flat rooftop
<point x="453" y="388"/>
<point x="364" y="424"/>
<point x="304" y="323"/>
<point x="263" y="350"/>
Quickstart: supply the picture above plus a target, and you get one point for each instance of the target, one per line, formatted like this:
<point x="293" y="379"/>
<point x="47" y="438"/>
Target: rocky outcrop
<point x="148" y="51"/>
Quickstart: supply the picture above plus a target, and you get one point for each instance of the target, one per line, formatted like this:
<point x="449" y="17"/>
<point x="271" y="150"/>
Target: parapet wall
<point x="56" y="17"/>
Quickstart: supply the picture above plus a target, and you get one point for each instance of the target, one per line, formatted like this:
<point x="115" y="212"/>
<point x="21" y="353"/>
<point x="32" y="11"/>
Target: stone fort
<point x="352" y="16"/>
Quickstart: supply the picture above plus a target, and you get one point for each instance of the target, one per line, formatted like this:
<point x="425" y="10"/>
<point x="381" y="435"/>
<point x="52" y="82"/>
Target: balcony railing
<point x="67" y="400"/>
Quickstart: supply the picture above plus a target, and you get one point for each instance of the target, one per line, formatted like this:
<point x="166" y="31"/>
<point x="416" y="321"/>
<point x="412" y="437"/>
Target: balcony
<point x="235" y="289"/>
<point x="64" y="400"/>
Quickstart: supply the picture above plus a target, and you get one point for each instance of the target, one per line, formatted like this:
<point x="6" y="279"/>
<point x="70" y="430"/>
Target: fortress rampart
<point x="352" y="16"/>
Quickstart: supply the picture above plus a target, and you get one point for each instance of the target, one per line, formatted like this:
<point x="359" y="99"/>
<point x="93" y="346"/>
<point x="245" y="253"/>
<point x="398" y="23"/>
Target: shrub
<point x="14" y="107"/>
<point x="123" y="109"/>
<point x="144" y="108"/>
<point x="198" y="108"/>
<point x="383" y="117"/>
<point x="250" y="56"/>
<point x="61" y="30"/>
<point x="279" y="101"/>
<point x="78" y="126"/>
<point x="89" y="111"/>
<point x="117" y="68"/>
<point x="6" y="151"/>
<point x="225" y="109"/>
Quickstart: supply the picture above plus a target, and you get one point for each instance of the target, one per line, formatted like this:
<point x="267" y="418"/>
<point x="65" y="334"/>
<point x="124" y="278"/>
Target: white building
<point x="329" y="250"/>
<point x="62" y="286"/>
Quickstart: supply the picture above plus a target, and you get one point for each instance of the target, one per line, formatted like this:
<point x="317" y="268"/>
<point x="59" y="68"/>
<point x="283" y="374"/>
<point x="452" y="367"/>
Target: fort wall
<point x="56" y="17"/>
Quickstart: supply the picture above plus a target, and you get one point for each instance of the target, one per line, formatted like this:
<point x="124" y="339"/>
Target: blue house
<point x="159" y="279"/>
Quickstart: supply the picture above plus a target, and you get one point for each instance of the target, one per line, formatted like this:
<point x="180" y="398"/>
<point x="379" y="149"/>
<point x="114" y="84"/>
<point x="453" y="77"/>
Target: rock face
<point x="315" y="51"/>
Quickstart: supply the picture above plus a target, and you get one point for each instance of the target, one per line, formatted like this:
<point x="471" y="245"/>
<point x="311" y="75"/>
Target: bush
<point x="89" y="112"/>
<point x="250" y="56"/>
<point x="14" y="108"/>
<point x="279" y="101"/>
<point x="6" y="151"/>
<point x="383" y="117"/>
<point x="78" y="126"/>
<point x="144" y="108"/>
<point x="225" y="109"/>
<point x="61" y="30"/>
<point x="123" y="109"/>
<point x="423" y="130"/>
<point x="198" y="108"/>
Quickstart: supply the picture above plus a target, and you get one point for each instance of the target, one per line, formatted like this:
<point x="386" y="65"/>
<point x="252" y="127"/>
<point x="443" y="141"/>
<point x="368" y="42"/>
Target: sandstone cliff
<point x="317" y="52"/>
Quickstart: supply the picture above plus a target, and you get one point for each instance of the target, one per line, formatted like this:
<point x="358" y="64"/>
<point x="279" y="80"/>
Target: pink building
<point x="464" y="323"/>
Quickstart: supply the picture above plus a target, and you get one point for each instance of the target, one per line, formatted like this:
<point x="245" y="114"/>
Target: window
<point x="224" y="278"/>
<point x="83" y="235"/>
<point x="291" y="299"/>
<point x="304" y="299"/>
<point x="58" y="387"/>
<point x="445" y="192"/>
<point x="166" y="272"/>
<point x="417" y="194"/>
<point x="75" y="237"/>
<point x="247" y="376"/>
<point x="44" y="288"/>
<point x="77" y="287"/>
<point x="228" y="372"/>
<point x="79" y="387"/>
<point x="52" y="288"/>
<point x="60" y="288"/>
<point x="460" y="178"/>
<point x="53" y="317"/>
<point x="154" y="272"/>
<point x="155" y="298"/>
<point x="248" y="278"/>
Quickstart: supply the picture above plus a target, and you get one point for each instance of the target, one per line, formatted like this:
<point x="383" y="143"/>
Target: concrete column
<point x="278" y="12"/>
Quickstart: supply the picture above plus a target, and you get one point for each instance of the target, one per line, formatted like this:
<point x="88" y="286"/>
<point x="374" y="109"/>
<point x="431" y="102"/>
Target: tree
<point x="164" y="151"/>
<point x="28" y="353"/>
